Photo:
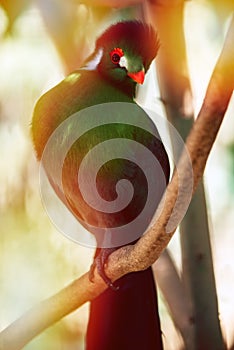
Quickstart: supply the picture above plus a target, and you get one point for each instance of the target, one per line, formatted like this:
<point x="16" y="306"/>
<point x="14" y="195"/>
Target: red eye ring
<point x="116" y="54"/>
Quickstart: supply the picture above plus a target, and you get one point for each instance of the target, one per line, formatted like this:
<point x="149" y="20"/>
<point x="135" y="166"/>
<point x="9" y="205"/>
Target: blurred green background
<point x="39" y="43"/>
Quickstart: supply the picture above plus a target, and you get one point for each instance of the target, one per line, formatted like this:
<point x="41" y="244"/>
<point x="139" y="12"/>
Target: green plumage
<point x="79" y="90"/>
<point x="122" y="56"/>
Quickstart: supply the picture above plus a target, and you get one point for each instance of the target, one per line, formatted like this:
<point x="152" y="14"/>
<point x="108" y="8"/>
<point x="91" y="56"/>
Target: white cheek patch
<point x="92" y="65"/>
<point x="123" y="62"/>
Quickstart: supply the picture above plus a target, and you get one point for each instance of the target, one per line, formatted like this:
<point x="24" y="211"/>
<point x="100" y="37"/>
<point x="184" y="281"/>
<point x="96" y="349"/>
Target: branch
<point x="168" y="280"/>
<point x="150" y="246"/>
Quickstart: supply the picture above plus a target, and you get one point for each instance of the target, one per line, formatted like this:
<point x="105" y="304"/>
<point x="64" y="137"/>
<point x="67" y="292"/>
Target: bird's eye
<point x="115" y="58"/>
<point x="116" y="55"/>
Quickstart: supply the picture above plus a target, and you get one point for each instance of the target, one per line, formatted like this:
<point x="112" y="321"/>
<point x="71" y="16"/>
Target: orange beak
<point x="138" y="77"/>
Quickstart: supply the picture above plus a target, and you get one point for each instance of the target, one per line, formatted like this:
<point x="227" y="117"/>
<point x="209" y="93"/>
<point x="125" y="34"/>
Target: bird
<point x="125" y="315"/>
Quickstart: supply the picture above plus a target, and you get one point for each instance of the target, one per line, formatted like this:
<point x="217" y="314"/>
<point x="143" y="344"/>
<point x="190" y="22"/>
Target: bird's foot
<point x="100" y="260"/>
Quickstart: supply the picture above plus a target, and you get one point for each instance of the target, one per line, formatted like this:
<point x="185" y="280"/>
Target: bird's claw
<point x="99" y="262"/>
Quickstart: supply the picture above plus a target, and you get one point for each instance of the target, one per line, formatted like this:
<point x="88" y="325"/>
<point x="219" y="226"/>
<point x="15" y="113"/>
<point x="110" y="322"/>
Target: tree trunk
<point x="203" y="327"/>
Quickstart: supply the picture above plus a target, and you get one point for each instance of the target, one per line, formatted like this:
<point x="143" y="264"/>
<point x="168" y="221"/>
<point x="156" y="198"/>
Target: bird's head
<point x="124" y="52"/>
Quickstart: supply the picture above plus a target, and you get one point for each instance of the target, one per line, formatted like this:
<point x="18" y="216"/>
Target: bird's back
<point x="79" y="90"/>
<point x="57" y="107"/>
